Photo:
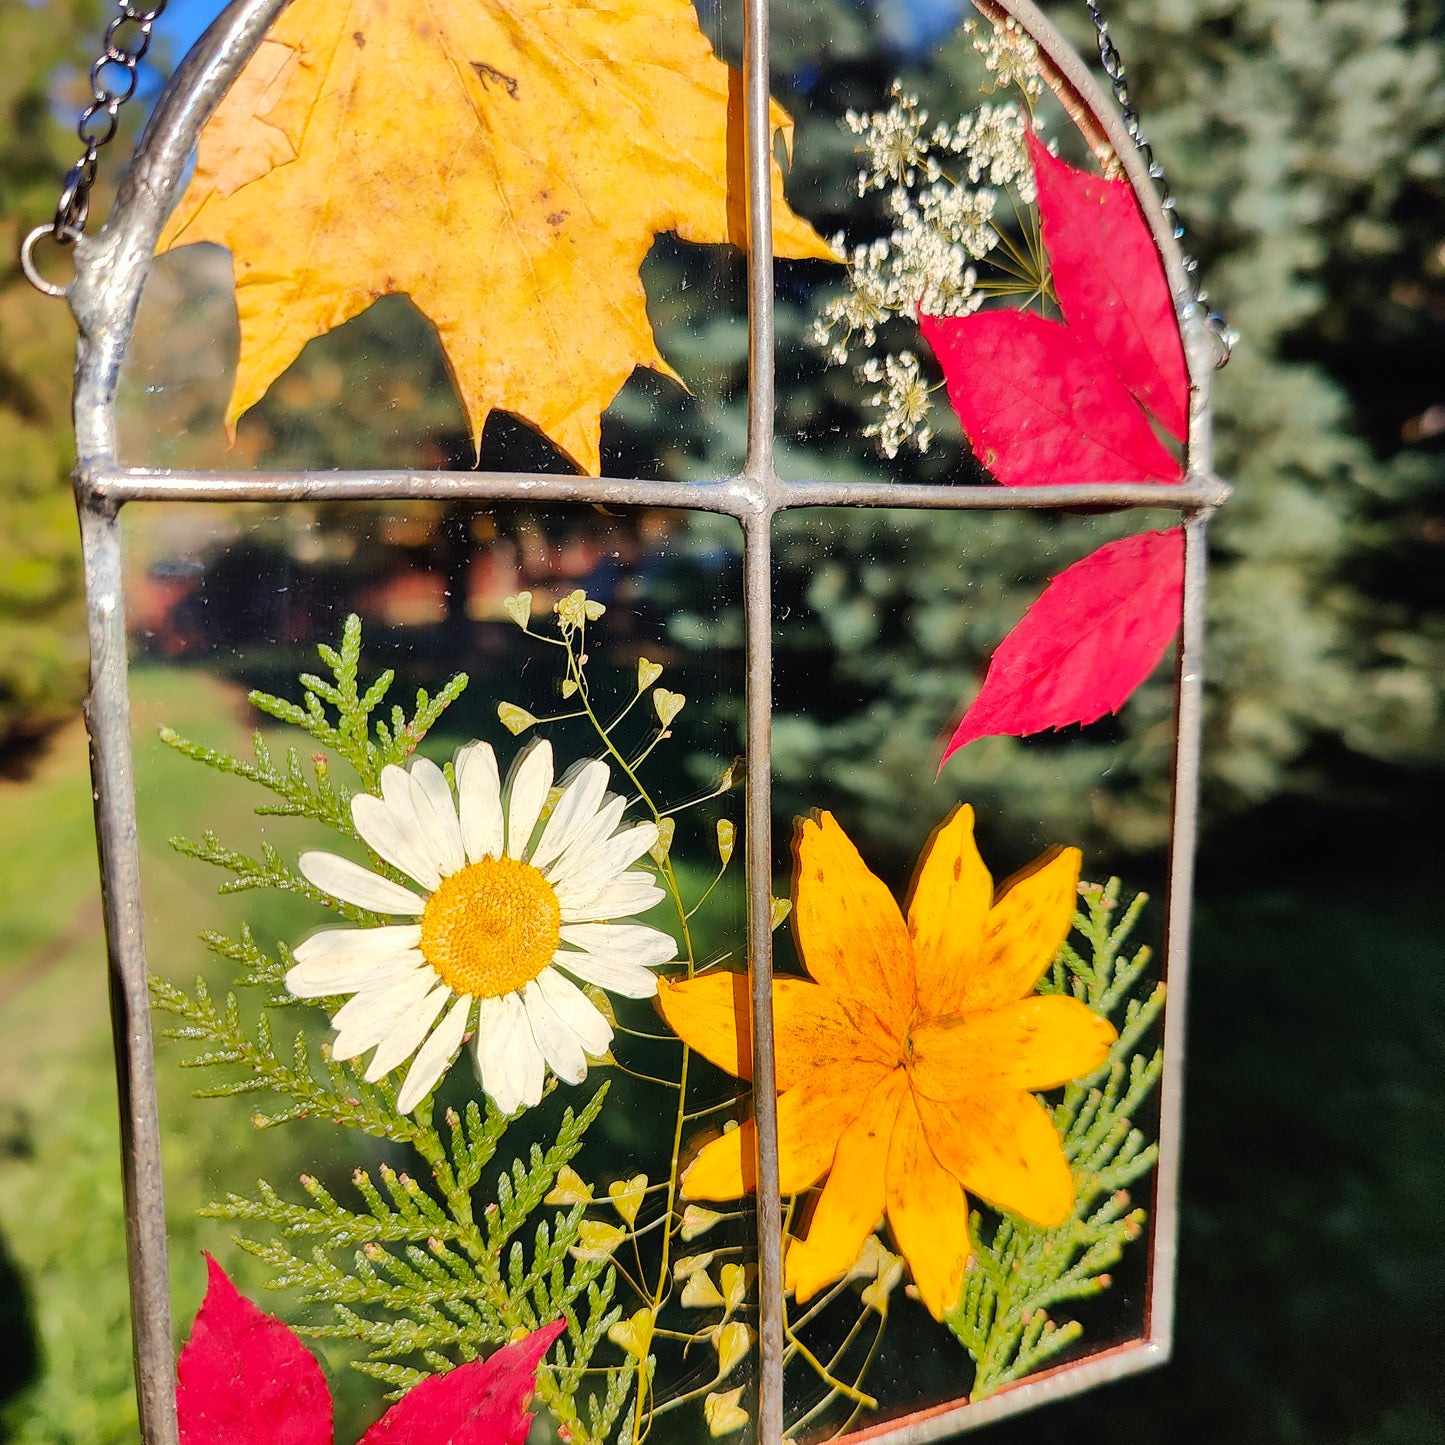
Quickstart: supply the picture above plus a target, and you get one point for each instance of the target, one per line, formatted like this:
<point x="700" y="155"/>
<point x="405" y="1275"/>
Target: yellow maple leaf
<point x="505" y="163"/>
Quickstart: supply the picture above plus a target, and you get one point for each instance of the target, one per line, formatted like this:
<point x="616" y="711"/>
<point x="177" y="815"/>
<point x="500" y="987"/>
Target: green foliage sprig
<point x="1019" y="1271"/>
<point x="410" y="1269"/>
<point x="366" y="744"/>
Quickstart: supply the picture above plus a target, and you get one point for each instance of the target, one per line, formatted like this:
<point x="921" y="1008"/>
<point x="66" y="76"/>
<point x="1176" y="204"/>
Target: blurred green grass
<point x="61" y="1214"/>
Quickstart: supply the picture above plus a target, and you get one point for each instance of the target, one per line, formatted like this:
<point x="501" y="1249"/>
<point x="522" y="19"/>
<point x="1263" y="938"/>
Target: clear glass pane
<point x="999" y="284"/>
<point x="432" y="1263"/>
<point x="885" y="623"/>
<point x="383" y="389"/>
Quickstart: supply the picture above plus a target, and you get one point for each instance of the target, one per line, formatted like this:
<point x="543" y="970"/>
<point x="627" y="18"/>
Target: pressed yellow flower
<point x="906" y="1063"/>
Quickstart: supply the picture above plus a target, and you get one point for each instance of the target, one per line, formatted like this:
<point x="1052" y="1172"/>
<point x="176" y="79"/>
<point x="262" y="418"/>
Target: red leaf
<point x="245" y="1379"/>
<point x="482" y="1403"/>
<point x="1110" y="282"/>
<point x="1039" y="404"/>
<point x="1099" y="629"/>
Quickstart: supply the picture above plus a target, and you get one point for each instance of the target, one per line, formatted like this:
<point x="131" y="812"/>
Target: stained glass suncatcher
<point x="668" y="1047"/>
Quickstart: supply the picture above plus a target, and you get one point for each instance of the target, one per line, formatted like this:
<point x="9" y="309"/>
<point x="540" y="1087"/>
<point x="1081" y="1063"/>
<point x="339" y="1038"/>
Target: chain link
<point x="113" y="80"/>
<point x="1223" y="333"/>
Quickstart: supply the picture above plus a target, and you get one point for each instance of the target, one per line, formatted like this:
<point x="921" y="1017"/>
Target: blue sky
<point x="181" y="25"/>
<point x="907" y="25"/>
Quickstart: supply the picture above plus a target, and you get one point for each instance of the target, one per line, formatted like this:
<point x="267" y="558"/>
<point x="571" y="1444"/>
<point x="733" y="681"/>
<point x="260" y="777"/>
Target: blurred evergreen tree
<point x="42" y="619"/>
<point x="1305" y="142"/>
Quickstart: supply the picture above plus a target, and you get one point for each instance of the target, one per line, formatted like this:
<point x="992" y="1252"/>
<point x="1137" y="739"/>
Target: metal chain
<point x="127" y="39"/>
<point x="1223" y="333"/>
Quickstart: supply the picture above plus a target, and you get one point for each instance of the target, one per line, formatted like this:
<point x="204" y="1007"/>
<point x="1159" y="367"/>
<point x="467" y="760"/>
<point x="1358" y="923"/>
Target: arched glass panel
<point x="741" y="996"/>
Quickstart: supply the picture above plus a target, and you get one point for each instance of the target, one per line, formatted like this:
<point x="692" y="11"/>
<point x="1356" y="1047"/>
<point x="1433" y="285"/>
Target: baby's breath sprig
<point x="643" y="1238"/>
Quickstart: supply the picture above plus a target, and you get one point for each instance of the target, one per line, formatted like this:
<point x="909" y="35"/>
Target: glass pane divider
<point x="739" y="496"/>
<point x="107" y="718"/>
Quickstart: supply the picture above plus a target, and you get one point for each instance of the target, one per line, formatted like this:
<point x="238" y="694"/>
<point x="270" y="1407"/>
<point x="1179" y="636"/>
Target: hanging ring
<point x="32" y="272"/>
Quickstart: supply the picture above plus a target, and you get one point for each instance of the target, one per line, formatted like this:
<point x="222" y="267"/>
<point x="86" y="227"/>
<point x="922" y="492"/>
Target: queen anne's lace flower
<point x="897" y="148"/>
<point x="1010" y="55"/>
<point x="903" y="400"/>
<point x="943" y="188"/>
<point x="509" y="906"/>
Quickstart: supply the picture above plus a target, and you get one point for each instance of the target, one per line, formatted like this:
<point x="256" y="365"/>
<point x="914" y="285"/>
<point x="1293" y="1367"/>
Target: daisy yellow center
<point x="491" y="928"/>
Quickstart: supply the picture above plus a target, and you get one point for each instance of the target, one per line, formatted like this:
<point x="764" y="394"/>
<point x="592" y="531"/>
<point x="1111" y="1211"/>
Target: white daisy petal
<point x="333" y="944"/>
<point x="348" y="973"/>
<point x="631" y="980"/>
<point x="352" y="883"/>
<point x="351" y="1042"/>
<point x="432" y="793"/>
<point x="535" y="1079"/>
<point x="527" y="787"/>
<point x="479" y="800"/>
<point x="575" y="1010"/>
<point x="511" y="1065"/>
<point x="559" y="1045"/>
<point x="400" y="1043"/>
<point x="372" y="1007"/>
<point x="611" y="858"/>
<point x="433" y="1057"/>
<point x="634" y="943"/>
<point x="576" y="807"/>
<point x="412" y="808"/>
<point x="624" y="897"/>
<point x="396" y="840"/>
<point x="585" y="839"/>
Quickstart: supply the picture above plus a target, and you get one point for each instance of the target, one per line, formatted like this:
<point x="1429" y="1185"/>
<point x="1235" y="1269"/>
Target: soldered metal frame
<point x="111" y="268"/>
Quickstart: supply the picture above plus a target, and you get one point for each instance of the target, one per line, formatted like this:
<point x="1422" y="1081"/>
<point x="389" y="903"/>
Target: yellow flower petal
<point x="596" y="1240"/>
<point x="1002" y="1145"/>
<point x="875" y="1295"/>
<point x="811" y="1027"/>
<point x="873" y="1260"/>
<point x="852" y="1200"/>
<point x="724" y="1168"/>
<point x="689" y="1265"/>
<point x="634" y="1335"/>
<point x="711" y="1014"/>
<point x="850" y="932"/>
<point x="700" y="1293"/>
<point x="734" y="1280"/>
<point x="927" y="1212"/>
<point x="696" y="1220"/>
<point x="1036" y="1043"/>
<point x="811" y="1117"/>
<point x="733" y="1342"/>
<point x="1030" y="918"/>
<point x="952" y="894"/>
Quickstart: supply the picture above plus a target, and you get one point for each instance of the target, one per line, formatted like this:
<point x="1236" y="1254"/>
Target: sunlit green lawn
<point x="60" y="1198"/>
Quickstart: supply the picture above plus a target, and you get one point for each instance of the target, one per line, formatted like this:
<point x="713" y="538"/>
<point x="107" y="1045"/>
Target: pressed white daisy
<point x="503" y="917"/>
